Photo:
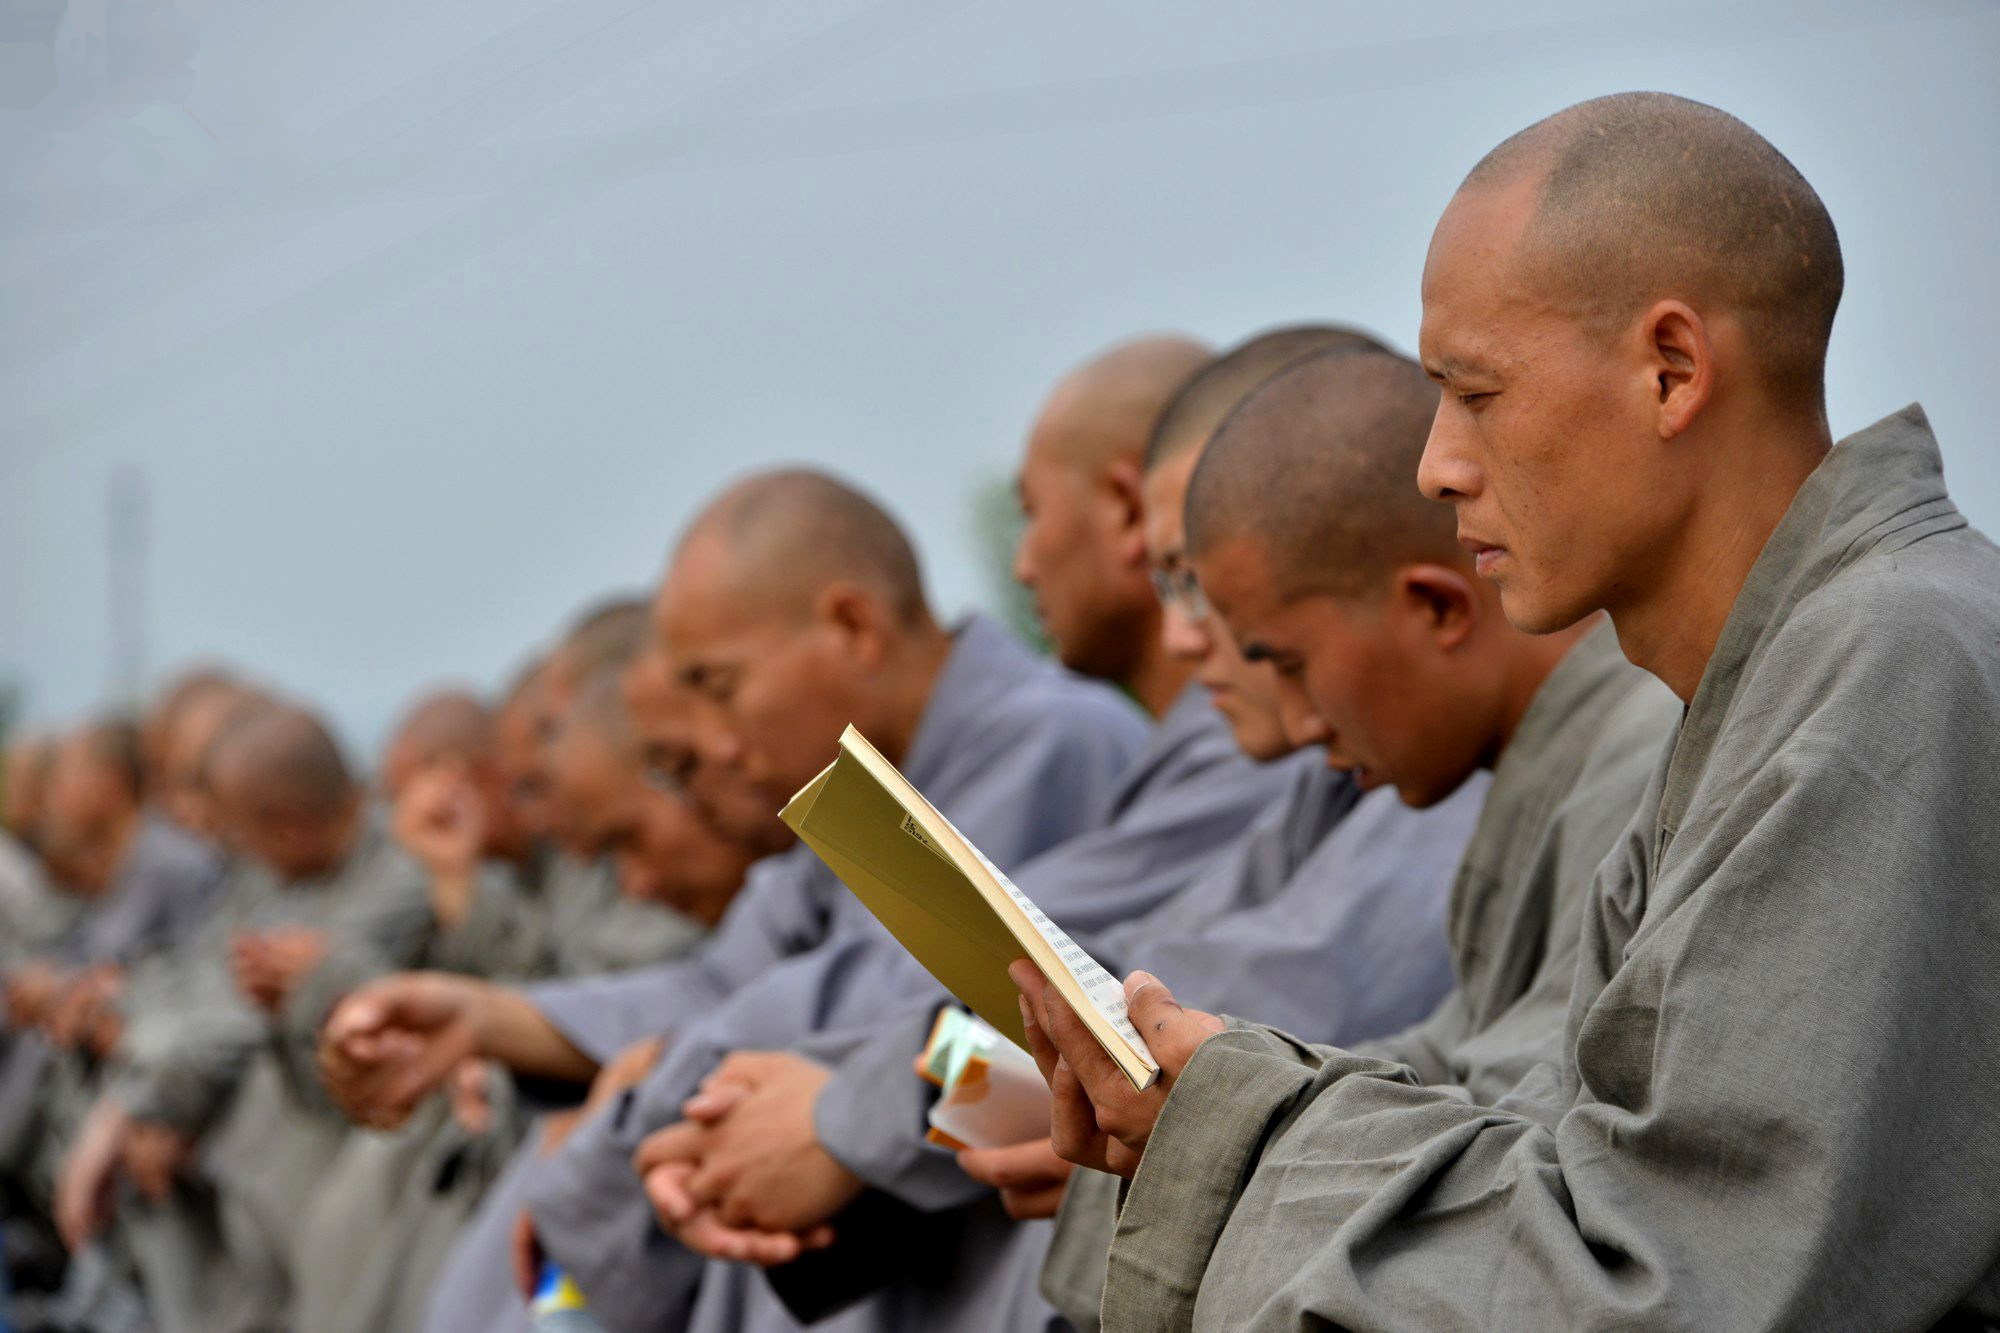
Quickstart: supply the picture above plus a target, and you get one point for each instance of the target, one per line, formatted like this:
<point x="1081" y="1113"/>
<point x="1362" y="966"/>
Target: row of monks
<point x="1540" y="796"/>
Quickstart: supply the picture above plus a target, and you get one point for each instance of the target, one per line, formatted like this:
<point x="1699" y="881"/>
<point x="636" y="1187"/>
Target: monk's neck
<point x="1671" y="625"/>
<point x="1156" y="677"/>
<point x="907" y="690"/>
<point x="1531" y="660"/>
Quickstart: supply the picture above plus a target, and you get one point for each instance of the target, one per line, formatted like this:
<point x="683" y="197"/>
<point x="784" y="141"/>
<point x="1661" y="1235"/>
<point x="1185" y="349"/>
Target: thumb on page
<point x="1171" y="1032"/>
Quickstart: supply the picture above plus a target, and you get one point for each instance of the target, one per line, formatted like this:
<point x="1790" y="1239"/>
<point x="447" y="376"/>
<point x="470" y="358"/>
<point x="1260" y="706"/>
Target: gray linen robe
<point x="33" y="914"/>
<point x="164" y="887"/>
<point x="1019" y="753"/>
<point x="1561" y="793"/>
<point x="161" y="895"/>
<point x="1370" y="940"/>
<point x="219" y="1255"/>
<point x="1187" y="800"/>
<point x="1180" y="815"/>
<point x="1773" y="1103"/>
<point x="380" y="1230"/>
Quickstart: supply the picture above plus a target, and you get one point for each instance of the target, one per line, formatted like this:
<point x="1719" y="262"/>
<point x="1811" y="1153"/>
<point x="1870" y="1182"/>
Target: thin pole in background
<point x="129" y="504"/>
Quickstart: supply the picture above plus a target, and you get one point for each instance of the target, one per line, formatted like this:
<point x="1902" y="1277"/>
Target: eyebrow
<point x="1452" y="367"/>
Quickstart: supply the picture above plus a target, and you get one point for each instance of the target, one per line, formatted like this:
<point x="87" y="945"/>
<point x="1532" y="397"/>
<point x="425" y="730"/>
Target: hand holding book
<point x="953" y="909"/>
<point x="1097" y="1118"/>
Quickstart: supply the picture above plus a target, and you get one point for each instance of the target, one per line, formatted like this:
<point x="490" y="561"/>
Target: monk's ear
<point x="1680" y="363"/>
<point x="1126" y="486"/>
<point x="1443" y="600"/>
<point x="857" y="621"/>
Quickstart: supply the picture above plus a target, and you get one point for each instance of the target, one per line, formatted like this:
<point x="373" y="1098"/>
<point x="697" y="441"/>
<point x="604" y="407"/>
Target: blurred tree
<point x="10" y="707"/>
<point x="996" y="529"/>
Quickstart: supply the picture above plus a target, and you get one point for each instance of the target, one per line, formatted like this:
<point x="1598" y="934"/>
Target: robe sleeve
<point x="821" y="964"/>
<point x="1775" y="1107"/>
<point x="871" y="1118"/>
<point x="500" y="934"/>
<point x="183" y="1078"/>
<point x="604" y="1014"/>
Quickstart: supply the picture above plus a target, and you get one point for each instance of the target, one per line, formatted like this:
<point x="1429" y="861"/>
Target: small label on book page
<point x="1106" y="995"/>
<point x="916" y="830"/>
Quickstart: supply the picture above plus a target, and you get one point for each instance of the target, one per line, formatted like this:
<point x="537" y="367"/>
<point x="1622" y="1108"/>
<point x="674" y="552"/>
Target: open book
<point x="950" y="906"/>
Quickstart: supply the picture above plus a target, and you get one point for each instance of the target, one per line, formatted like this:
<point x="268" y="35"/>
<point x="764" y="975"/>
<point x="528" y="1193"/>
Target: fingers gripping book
<point x="953" y="909"/>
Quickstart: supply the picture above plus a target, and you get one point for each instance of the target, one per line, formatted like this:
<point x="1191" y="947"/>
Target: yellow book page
<point x="966" y="920"/>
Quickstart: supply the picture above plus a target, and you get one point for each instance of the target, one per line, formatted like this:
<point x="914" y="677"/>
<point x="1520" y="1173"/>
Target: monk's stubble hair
<point x="792" y="532"/>
<point x="1198" y="410"/>
<point x="1644" y="196"/>
<point x="1319" y="467"/>
<point x="290" y="757"/>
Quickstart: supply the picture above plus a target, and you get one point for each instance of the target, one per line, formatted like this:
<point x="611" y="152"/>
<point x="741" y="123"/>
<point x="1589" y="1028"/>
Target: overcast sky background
<point x="424" y="324"/>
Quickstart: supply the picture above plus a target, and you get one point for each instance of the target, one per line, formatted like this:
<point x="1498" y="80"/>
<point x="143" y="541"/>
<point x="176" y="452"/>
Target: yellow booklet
<point x="949" y="906"/>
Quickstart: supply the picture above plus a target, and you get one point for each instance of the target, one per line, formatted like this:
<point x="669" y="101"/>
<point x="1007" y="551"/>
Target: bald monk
<point x="1272" y="528"/>
<point x="380" y="1231"/>
<point x="591" y="927"/>
<point x="1361" y="931"/>
<point x="794" y="606"/>
<point x="202" y="1069"/>
<point x="148" y="881"/>
<point x="661" y="845"/>
<point x="182" y="791"/>
<point x="639" y="876"/>
<point x="24" y="785"/>
<point x="193" y="688"/>
<point x="442" y="785"/>
<point x="1816" y="850"/>
<point x="145" y="885"/>
<point x="1184" y="805"/>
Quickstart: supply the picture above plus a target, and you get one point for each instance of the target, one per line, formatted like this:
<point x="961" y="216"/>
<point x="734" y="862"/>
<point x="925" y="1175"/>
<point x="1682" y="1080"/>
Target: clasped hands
<point x="744" y="1177"/>
<point x="268" y="964"/>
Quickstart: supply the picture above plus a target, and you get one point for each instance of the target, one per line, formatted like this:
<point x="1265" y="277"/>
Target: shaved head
<point x="450" y="723"/>
<point x="1319" y="466"/>
<point x="447" y="724"/>
<point x="607" y="636"/>
<point x="289" y="758"/>
<point x="600" y="707"/>
<point x="24" y="784"/>
<point x="190" y="689"/>
<point x="1107" y="408"/>
<point x="786" y="535"/>
<point x="113" y="746"/>
<point x="1643" y="196"/>
<point x="1201" y="404"/>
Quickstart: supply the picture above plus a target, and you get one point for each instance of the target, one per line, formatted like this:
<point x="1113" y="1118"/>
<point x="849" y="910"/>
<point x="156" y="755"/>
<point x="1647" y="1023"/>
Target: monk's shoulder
<point x="1911" y="632"/>
<point x="1050" y="704"/>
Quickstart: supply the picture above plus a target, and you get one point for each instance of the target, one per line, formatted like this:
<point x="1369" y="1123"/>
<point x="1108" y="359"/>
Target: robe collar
<point x="1877" y="490"/>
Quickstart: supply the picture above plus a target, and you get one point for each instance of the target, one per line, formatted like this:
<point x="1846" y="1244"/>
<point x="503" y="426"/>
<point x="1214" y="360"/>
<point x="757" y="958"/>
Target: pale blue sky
<point x="428" y="323"/>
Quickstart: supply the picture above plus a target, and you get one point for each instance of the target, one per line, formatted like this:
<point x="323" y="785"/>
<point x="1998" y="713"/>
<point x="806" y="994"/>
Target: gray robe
<point x="1561" y="793"/>
<point x="1369" y="939"/>
<point x="380" y="1230"/>
<point x="161" y="895"/>
<point x="1186" y="802"/>
<point x="1772" y="1106"/>
<point x="33" y="914"/>
<point x="164" y="887"/>
<point x="1019" y="753"/>
<point x="591" y="928"/>
<point x="219" y="1254"/>
<point x="1180" y="817"/>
